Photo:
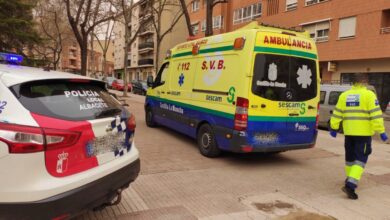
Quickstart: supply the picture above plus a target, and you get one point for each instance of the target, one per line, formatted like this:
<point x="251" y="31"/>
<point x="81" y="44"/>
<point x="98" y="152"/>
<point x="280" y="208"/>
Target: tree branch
<point x="217" y="2"/>
<point x="172" y="26"/>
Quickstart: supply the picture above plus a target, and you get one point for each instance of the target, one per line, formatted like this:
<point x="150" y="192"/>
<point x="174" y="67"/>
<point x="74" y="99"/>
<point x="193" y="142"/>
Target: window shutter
<point x="289" y="2"/>
<point x="347" y="27"/>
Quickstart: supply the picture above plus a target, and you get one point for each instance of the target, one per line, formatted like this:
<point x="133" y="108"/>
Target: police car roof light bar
<point x="10" y="58"/>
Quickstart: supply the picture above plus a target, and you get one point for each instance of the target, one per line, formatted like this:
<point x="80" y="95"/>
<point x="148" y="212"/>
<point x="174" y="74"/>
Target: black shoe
<point x="350" y="193"/>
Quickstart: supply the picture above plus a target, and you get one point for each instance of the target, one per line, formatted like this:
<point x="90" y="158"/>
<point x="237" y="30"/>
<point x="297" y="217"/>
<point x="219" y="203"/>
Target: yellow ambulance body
<point x="252" y="90"/>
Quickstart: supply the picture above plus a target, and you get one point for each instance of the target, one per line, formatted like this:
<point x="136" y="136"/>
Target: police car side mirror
<point x="114" y="95"/>
<point x="149" y="81"/>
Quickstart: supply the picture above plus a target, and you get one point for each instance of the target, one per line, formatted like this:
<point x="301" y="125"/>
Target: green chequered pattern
<point x="286" y="52"/>
<point x="231" y="116"/>
<point x="256" y="49"/>
<point x="196" y="108"/>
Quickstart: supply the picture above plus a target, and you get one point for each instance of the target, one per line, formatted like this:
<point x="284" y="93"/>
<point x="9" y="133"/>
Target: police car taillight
<point x="27" y="139"/>
<point x="241" y="115"/>
<point x="60" y="138"/>
<point x="131" y="123"/>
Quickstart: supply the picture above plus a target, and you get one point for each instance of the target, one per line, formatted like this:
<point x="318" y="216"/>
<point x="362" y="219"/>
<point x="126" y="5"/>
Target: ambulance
<point x="252" y="90"/>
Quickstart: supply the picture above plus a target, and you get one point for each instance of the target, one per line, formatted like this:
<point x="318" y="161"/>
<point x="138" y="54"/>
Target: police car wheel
<point x="149" y="118"/>
<point x="206" y="142"/>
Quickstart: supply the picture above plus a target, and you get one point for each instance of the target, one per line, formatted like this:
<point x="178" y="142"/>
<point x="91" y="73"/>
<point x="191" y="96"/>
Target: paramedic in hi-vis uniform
<point x="359" y="111"/>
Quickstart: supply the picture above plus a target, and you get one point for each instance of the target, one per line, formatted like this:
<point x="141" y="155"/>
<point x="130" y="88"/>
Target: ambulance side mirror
<point x="149" y="81"/>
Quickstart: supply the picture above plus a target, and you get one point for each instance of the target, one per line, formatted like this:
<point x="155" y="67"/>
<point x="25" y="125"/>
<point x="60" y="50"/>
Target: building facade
<point x="143" y="54"/>
<point x="353" y="36"/>
<point x="70" y="57"/>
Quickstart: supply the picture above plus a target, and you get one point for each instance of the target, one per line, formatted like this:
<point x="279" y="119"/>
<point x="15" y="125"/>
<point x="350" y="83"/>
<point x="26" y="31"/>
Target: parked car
<point x="329" y="95"/>
<point x="109" y="81"/>
<point x="66" y="145"/>
<point x="139" y="87"/>
<point x="119" y="84"/>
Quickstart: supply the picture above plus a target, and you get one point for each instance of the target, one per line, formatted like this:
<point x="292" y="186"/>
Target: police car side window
<point x="334" y="97"/>
<point x="161" y="76"/>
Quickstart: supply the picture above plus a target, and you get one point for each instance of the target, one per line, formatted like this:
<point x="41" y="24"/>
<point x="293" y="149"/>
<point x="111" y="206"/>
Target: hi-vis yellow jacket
<point x="358" y="109"/>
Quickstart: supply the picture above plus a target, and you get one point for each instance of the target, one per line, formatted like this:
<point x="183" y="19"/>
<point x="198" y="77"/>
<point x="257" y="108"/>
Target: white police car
<point x="66" y="144"/>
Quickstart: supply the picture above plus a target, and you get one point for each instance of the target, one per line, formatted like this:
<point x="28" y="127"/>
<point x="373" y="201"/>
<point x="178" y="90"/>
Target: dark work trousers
<point x="357" y="149"/>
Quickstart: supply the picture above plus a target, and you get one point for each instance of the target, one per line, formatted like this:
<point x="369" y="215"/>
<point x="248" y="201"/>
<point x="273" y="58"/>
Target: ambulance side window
<point x="162" y="75"/>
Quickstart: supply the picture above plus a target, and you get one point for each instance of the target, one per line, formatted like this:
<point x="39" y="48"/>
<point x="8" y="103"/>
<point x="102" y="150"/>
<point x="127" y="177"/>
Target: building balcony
<point x="144" y="14"/>
<point x="146" y="45"/>
<point x="322" y="39"/>
<point x="146" y="62"/>
<point x="143" y="2"/>
<point x="385" y="30"/>
<point x="146" y="31"/>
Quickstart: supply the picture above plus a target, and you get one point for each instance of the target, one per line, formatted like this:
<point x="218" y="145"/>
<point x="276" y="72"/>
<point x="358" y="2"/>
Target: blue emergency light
<point x="11" y="58"/>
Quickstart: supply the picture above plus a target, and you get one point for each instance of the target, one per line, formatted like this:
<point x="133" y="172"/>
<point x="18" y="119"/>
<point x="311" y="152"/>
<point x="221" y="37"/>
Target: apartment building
<point x="70" y="57"/>
<point x="352" y="35"/>
<point x="142" y="55"/>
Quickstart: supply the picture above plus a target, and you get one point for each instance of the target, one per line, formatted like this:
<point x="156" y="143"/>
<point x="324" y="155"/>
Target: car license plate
<point x="104" y="147"/>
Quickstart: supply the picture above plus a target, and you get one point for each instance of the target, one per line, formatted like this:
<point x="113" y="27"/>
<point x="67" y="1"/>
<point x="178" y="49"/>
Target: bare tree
<point x="107" y="31"/>
<point x="210" y="4"/>
<point x="126" y="12"/>
<point x="84" y="16"/>
<point x="91" y="61"/>
<point x="158" y="7"/>
<point x="187" y="17"/>
<point x="53" y="31"/>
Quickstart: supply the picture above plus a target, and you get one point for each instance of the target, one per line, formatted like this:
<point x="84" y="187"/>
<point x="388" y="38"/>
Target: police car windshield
<point x="284" y="78"/>
<point x="67" y="100"/>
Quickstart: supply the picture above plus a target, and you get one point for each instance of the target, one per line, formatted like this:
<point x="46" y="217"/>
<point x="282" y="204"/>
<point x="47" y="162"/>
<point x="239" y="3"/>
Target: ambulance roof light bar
<point x="284" y="28"/>
<point x="10" y="58"/>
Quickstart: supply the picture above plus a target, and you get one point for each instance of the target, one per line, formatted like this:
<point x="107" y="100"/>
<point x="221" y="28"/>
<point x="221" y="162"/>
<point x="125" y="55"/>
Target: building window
<point x="291" y="5"/>
<point x="318" y="31"/>
<point x="313" y="2"/>
<point x="203" y="26"/>
<point x="195" y="5"/>
<point x="217" y="22"/>
<point x="195" y="28"/>
<point x="247" y="13"/>
<point x="385" y="27"/>
<point x="73" y="62"/>
<point x="72" y="53"/>
<point x="347" y="27"/>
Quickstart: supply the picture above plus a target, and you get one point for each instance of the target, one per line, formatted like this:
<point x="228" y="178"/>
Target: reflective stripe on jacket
<point x="359" y="111"/>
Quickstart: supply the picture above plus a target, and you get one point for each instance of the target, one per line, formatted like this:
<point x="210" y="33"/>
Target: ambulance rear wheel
<point x="206" y="142"/>
<point x="149" y="118"/>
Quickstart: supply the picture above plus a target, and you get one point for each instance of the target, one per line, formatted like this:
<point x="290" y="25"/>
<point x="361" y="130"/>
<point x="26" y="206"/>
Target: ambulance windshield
<point x="284" y="78"/>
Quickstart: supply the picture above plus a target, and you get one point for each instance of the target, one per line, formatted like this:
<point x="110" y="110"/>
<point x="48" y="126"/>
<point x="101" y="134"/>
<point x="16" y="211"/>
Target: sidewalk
<point x="386" y="117"/>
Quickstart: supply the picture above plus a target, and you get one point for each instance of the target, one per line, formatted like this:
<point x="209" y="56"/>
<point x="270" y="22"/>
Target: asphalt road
<point x="176" y="182"/>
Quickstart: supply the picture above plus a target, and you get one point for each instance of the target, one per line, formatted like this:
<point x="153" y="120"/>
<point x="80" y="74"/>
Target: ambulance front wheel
<point x="206" y="142"/>
<point x="149" y="118"/>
